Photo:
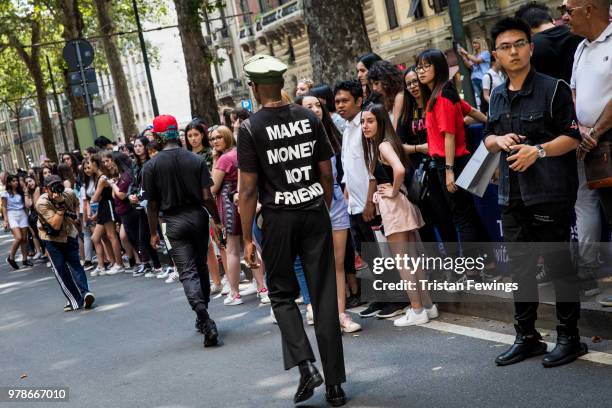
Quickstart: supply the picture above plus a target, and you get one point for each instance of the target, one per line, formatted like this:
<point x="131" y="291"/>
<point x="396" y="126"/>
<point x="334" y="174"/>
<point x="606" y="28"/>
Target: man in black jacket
<point x="533" y="122"/>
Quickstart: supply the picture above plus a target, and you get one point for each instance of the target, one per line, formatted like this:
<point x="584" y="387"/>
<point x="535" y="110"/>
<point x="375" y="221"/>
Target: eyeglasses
<point x="414" y="82"/>
<point x="505" y="47"/>
<point x="212" y="139"/>
<point x="569" y="10"/>
<point x="423" y="68"/>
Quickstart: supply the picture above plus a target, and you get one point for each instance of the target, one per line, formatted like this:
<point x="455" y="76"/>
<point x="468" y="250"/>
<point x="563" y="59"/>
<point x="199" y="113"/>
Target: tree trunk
<point x="73" y="29"/>
<point x="105" y="20"/>
<point x="337" y="35"/>
<point x="32" y="62"/>
<point x="197" y="61"/>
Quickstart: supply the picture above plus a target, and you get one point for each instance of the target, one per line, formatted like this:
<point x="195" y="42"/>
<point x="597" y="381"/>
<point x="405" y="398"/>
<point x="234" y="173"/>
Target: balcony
<point x="231" y="89"/>
<point x="222" y="38"/>
<point x="280" y="19"/>
<point x="247" y="35"/>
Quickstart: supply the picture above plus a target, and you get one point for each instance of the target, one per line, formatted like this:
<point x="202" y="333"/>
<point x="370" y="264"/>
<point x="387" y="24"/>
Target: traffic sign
<point x="247" y="104"/>
<point x="71" y="55"/>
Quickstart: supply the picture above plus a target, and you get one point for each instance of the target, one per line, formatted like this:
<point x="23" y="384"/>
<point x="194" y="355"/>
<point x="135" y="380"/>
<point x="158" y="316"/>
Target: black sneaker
<point x="12" y="263"/>
<point x="141" y="270"/>
<point x="27" y="263"/>
<point x="88" y="265"/>
<point x="392" y="310"/>
<point x="211" y="334"/>
<point x="372" y="309"/>
<point x="589" y="288"/>
<point x="88" y="300"/>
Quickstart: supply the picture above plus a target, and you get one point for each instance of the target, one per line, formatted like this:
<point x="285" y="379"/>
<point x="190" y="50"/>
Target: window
<point x="391" y="14"/>
<point x="438" y="5"/>
<point x="416" y="9"/>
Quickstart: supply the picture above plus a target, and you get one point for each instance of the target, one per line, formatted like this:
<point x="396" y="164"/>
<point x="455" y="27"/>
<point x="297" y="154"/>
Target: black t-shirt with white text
<point x="175" y="178"/>
<point x="284" y="146"/>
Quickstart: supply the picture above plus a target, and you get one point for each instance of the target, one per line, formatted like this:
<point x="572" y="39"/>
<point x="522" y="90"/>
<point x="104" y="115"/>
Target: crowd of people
<point x="264" y="179"/>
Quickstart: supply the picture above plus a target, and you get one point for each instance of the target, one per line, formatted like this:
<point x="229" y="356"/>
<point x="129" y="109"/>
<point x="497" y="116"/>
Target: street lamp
<point x="145" y="59"/>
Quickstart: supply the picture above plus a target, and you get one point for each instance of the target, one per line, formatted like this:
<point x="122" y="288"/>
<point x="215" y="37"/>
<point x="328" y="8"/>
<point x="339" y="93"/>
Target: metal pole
<point x="88" y="101"/>
<point x="145" y="59"/>
<point x="456" y="18"/>
<point x="57" y="105"/>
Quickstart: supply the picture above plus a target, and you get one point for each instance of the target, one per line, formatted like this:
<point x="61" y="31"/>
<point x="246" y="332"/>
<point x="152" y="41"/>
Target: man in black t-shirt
<point x="177" y="183"/>
<point x="284" y="154"/>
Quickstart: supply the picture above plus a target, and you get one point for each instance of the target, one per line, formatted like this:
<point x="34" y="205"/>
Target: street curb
<point x="596" y="321"/>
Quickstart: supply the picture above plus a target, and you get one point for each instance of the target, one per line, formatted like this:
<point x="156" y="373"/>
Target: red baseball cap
<point x="164" y="123"/>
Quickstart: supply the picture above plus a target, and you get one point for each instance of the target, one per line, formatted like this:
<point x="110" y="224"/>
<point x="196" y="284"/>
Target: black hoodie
<point x="553" y="52"/>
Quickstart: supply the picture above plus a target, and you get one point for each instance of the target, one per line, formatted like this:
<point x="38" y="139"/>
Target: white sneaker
<point x="226" y="287"/>
<point x="163" y="274"/>
<point x="309" y="315"/>
<point x="251" y="289"/>
<point x="233" y="300"/>
<point x="347" y="325"/>
<point x="299" y="301"/>
<point x="262" y="294"/>
<point x="153" y="273"/>
<point x="95" y="272"/>
<point x="411" y="318"/>
<point x="102" y="272"/>
<point x="37" y="256"/>
<point x="115" y="269"/>
<point x="214" y="288"/>
<point x="173" y="277"/>
<point x="432" y="312"/>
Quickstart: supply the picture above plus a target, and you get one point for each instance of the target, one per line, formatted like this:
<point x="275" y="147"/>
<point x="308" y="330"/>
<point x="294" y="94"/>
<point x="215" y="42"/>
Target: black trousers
<point x="436" y="212"/>
<point x="544" y="223"/>
<point x="463" y="210"/>
<point x="307" y="233"/>
<point x="605" y="198"/>
<point x="187" y="231"/>
<point x="137" y="230"/>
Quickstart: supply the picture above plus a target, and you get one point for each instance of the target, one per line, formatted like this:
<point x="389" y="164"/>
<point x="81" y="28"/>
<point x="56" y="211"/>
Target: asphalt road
<point x="138" y="348"/>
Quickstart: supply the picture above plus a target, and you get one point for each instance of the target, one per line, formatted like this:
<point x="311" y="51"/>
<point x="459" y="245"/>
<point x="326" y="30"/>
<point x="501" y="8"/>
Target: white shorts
<point x="18" y="219"/>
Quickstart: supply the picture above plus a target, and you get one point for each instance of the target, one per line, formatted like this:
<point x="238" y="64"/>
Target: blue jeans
<point x="68" y="270"/>
<point x="297" y="266"/>
<point x="477" y="86"/>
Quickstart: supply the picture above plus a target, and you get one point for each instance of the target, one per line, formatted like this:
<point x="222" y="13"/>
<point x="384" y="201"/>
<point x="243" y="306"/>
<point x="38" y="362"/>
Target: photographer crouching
<point x="57" y="219"/>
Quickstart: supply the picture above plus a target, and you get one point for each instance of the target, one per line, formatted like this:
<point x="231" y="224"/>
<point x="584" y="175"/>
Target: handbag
<point x="598" y="167"/>
<point x="418" y="189"/>
<point x="478" y="172"/>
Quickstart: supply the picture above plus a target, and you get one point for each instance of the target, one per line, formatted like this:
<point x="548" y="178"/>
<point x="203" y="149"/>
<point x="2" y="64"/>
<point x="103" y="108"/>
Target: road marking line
<point x="594" y="356"/>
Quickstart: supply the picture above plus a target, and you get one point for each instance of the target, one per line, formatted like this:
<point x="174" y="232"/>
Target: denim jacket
<point x="541" y="111"/>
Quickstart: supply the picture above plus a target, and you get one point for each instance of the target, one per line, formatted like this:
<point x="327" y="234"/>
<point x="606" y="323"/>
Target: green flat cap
<point x="264" y="69"/>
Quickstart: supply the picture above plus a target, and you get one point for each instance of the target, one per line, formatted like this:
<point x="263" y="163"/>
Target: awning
<point x="413" y="8"/>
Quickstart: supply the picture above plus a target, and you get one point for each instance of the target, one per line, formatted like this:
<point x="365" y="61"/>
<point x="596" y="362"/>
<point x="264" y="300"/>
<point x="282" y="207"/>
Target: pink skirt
<point x="398" y="214"/>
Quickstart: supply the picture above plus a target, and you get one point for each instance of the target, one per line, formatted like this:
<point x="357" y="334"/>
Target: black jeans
<point x="307" y="233"/>
<point x="463" y="210"/>
<point x="137" y="230"/>
<point x="547" y="223"/>
<point x="436" y="212"/>
<point x="605" y="198"/>
<point x="187" y="232"/>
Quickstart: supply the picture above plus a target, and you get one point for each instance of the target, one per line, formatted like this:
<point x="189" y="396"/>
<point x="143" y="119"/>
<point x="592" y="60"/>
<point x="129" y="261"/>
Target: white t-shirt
<point x="592" y="77"/>
<point x="498" y="78"/>
<point x="356" y="175"/>
<point x="13" y="202"/>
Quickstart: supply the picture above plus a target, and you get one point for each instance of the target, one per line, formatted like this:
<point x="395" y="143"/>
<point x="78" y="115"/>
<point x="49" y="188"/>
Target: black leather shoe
<point x="309" y="380"/>
<point x="211" y="335"/>
<point x="334" y="394"/>
<point x="12" y="262"/>
<point x="568" y="348"/>
<point x="525" y="345"/>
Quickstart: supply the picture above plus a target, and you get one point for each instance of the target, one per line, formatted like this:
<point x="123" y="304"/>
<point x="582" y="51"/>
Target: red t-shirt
<point x="446" y="117"/>
<point x="228" y="163"/>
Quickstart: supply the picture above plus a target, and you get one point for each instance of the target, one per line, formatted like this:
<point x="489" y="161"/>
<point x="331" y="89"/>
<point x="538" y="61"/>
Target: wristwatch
<point x="541" y="151"/>
<point x="449" y="167"/>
